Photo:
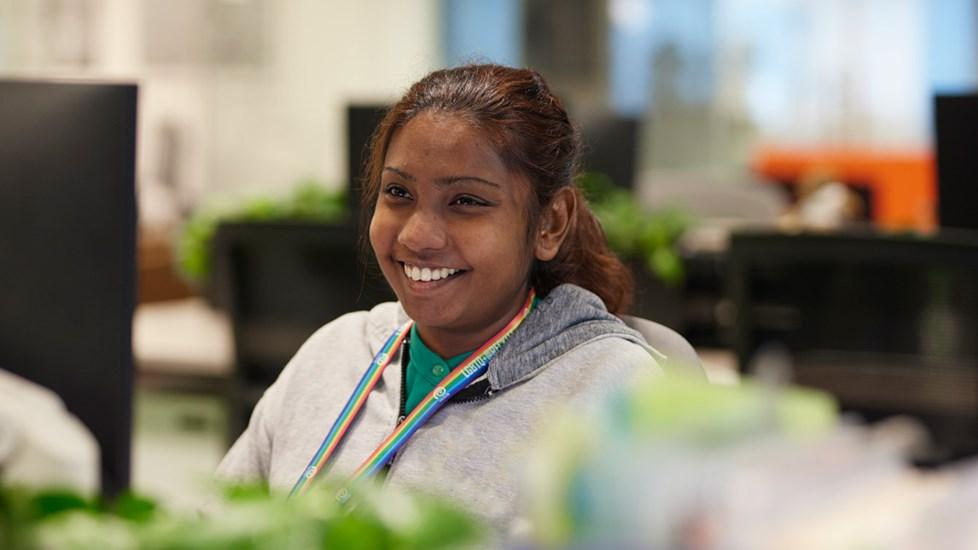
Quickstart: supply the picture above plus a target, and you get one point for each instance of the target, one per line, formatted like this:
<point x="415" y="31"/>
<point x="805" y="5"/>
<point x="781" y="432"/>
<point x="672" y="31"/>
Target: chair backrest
<point x="680" y="355"/>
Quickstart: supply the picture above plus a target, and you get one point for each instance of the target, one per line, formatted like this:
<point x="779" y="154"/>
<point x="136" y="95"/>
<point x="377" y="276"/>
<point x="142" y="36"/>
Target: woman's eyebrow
<point x="446" y="181"/>
<point x="451" y="180"/>
<point x="399" y="172"/>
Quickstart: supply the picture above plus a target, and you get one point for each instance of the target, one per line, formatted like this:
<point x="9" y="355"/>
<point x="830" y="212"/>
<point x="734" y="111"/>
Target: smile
<point x="426" y="274"/>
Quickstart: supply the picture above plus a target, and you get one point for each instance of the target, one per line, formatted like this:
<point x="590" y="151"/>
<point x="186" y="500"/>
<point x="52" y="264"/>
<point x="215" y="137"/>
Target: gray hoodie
<point x="569" y="352"/>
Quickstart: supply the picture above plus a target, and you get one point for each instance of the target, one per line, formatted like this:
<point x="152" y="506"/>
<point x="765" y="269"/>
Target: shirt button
<point x="438" y="370"/>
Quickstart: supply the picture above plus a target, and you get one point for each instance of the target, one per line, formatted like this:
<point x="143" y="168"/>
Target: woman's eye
<point x="396" y="191"/>
<point x="466" y="200"/>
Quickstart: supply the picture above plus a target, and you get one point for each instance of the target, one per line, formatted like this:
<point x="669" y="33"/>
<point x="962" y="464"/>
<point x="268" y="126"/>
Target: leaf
<point x="135" y="508"/>
<point x="246" y="492"/>
<point x="597" y="187"/>
<point x="441" y="526"/>
<point x="635" y="233"/>
<point x="55" y="501"/>
<point x="251" y="518"/>
<point x="667" y="264"/>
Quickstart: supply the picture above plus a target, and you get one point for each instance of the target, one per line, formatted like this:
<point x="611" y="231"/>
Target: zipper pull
<point x="387" y="467"/>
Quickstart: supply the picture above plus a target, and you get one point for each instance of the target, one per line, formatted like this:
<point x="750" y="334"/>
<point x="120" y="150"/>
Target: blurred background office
<point x="757" y="118"/>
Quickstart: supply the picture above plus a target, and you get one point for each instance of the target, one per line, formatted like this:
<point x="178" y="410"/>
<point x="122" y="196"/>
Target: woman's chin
<point x="430" y="316"/>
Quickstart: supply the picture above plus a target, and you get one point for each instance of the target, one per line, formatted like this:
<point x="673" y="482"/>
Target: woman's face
<point x="450" y="232"/>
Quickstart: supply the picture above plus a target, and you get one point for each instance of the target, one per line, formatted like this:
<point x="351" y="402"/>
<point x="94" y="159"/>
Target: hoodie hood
<point x="567" y="317"/>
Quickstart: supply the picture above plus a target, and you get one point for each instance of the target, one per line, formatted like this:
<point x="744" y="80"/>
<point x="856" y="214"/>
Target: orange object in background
<point x="902" y="184"/>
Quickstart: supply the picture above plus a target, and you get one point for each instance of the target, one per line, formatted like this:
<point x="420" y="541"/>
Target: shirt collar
<point x="423" y="358"/>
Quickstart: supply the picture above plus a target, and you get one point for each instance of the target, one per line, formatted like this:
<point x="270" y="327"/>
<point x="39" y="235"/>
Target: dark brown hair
<point x="529" y="129"/>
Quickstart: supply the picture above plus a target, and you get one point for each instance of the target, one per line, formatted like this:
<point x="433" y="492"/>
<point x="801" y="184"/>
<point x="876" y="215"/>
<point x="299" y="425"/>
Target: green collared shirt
<point x="425" y="370"/>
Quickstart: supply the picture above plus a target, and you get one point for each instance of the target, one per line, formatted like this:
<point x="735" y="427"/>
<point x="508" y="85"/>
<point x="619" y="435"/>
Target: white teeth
<point x="428" y="274"/>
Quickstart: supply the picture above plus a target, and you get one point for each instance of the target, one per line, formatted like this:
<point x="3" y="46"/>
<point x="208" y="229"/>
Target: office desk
<point x="886" y="323"/>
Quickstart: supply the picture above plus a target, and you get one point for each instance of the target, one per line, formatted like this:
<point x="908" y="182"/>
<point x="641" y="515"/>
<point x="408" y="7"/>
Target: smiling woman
<point x="448" y="202"/>
<point x="507" y="303"/>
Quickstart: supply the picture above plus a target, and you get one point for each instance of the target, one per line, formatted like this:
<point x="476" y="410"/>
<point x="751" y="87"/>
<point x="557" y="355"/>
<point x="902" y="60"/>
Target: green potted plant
<point x="309" y="202"/>
<point x="648" y="241"/>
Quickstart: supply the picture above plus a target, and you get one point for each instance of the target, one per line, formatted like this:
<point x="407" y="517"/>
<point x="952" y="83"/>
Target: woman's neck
<point x="451" y="341"/>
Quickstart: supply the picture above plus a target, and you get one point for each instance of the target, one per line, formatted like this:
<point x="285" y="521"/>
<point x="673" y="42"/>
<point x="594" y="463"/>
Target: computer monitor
<point x="361" y="123"/>
<point x="67" y="251"/>
<point x="611" y="147"/>
<point x="956" y="144"/>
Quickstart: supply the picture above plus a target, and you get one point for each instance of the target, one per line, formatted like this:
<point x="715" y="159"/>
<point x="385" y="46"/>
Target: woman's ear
<point x="555" y="223"/>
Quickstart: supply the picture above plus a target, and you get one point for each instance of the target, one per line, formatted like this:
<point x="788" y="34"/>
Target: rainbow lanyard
<point x="474" y="366"/>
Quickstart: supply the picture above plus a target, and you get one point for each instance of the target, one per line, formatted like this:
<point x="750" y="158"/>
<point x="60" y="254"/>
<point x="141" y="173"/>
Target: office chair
<point x="680" y="356"/>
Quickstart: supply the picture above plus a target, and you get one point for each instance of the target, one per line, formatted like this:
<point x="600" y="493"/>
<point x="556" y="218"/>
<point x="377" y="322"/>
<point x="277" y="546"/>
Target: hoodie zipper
<point x="474" y="399"/>
<point x="401" y="414"/>
<point x="390" y="463"/>
<point x="405" y="357"/>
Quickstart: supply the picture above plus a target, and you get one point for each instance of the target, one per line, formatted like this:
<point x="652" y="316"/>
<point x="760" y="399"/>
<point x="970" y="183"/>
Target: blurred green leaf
<point x="668" y="265"/>
<point x="634" y="233"/>
<point x="246" y="492"/>
<point x="249" y="517"/>
<point x="56" y="501"/>
<point x="441" y="526"/>
<point x="597" y="187"/>
<point x="693" y="410"/>
<point x="357" y="531"/>
<point x="134" y="507"/>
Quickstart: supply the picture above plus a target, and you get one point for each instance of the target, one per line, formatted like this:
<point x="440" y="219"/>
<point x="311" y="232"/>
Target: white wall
<point x="241" y="127"/>
<point x="290" y="121"/>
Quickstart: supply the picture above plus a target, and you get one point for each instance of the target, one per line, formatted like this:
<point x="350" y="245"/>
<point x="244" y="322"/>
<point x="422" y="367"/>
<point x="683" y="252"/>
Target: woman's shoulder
<point x="335" y="353"/>
<point x="614" y="352"/>
<point x="591" y="371"/>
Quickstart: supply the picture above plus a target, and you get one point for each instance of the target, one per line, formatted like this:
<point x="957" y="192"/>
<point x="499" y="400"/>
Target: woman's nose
<point x="423" y="231"/>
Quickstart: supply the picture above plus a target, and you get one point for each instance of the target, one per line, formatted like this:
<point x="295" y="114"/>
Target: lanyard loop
<point x="474" y="366"/>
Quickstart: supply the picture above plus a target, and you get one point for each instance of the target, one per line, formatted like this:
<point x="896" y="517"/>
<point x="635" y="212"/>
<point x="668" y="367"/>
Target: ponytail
<point x="585" y="260"/>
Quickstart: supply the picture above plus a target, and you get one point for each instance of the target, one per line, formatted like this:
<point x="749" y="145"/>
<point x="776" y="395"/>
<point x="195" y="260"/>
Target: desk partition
<point x="886" y="323"/>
